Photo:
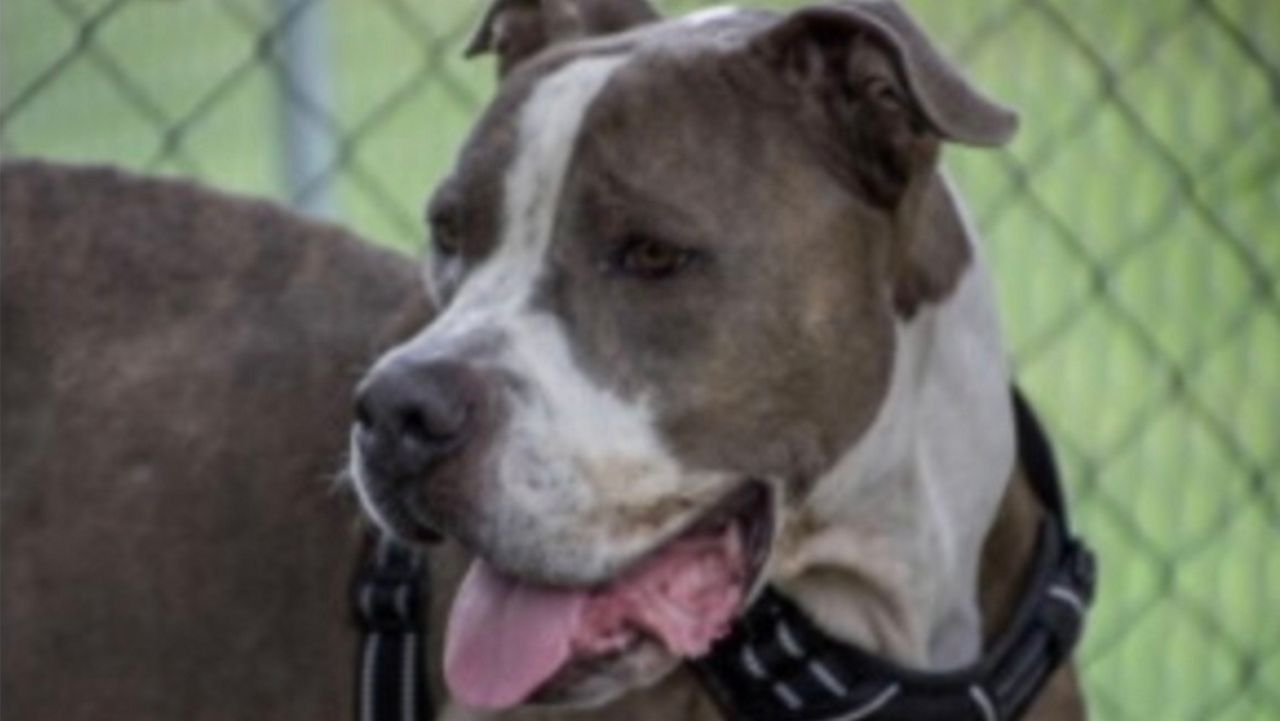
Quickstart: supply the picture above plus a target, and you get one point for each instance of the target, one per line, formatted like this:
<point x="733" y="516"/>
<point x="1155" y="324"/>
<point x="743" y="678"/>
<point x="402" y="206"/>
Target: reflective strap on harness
<point x="388" y="597"/>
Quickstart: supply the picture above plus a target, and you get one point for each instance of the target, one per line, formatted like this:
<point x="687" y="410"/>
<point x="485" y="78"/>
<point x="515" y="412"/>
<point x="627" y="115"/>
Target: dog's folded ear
<point x="882" y="99"/>
<point x="518" y="29"/>
<point x="828" y="42"/>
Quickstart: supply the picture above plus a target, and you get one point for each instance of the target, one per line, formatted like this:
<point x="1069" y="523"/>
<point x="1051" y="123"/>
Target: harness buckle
<point x="387" y="595"/>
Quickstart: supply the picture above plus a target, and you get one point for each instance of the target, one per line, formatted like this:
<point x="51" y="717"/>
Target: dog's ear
<point x="831" y="43"/>
<point x="883" y="99"/>
<point x="517" y="29"/>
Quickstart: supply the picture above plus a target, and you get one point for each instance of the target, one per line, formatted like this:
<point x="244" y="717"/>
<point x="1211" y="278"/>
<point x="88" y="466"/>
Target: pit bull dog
<point x="710" y="319"/>
<point x="177" y="365"/>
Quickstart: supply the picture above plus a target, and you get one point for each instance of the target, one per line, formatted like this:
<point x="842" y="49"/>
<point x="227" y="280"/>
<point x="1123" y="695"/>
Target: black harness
<point x="388" y="597"/>
<point x="777" y="666"/>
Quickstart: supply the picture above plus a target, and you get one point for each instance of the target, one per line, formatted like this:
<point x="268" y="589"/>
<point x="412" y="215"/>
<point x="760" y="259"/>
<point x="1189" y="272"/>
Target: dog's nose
<point x="410" y="416"/>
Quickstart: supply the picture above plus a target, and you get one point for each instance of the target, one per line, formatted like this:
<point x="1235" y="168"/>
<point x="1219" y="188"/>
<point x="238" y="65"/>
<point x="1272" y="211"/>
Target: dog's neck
<point x="885" y="551"/>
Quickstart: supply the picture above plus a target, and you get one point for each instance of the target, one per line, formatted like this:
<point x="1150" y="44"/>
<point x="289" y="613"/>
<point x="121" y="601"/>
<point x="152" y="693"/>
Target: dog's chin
<point x="393" y="516"/>
<point x="592" y="682"/>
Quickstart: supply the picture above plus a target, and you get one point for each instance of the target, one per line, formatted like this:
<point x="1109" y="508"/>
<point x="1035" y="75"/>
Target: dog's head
<point x="669" y="265"/>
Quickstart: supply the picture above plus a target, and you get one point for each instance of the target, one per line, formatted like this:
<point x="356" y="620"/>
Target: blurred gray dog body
<point x="177" y="366"/>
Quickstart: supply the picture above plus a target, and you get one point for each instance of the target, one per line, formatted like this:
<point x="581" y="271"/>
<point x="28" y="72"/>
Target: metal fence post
<point x="309" y="135"/>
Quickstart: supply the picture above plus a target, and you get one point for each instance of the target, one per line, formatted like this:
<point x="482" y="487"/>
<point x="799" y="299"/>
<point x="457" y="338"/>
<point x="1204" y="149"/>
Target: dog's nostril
<point x="432" y="424"/>
<point x="414" y="424"/>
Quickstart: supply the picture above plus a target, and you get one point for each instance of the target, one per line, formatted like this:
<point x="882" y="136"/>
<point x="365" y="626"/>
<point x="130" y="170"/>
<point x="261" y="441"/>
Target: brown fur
<point x="178" y="366"/>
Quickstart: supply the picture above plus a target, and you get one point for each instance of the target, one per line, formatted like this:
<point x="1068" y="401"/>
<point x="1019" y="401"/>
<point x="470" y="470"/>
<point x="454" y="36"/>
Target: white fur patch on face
<point x="501" y="287"/>
<point x="547" y="133"/>
<point x="571" y="448"/>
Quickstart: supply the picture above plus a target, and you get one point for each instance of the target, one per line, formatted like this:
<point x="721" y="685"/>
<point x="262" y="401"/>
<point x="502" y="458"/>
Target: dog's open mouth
<point x="508" y="639"/>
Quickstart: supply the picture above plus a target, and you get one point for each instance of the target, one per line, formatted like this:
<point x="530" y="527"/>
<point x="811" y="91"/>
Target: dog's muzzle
<point x="411" y="419"/>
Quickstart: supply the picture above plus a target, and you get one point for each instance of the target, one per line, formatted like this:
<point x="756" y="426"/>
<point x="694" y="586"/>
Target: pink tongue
<point x="505" y="638"/>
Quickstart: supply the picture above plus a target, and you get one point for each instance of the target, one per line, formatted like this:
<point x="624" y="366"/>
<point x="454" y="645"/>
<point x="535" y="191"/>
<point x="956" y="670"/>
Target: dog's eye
<point x="446" y="242"/>
<point x="446" y="238"/>
<point x="651" y="259"/>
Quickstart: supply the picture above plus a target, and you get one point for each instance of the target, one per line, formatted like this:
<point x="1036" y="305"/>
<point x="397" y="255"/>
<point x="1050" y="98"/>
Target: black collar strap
<point x="388" y="596"/>
<point x="777" y="666"/>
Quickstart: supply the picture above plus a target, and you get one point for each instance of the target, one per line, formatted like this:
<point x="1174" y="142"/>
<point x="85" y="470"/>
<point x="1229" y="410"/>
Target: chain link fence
<point x="1134" y="226"/>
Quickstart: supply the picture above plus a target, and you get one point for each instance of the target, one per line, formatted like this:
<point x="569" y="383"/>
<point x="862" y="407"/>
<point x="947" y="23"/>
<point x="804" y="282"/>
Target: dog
<point x="710" y="318"/>
<point x="177" y="375"/>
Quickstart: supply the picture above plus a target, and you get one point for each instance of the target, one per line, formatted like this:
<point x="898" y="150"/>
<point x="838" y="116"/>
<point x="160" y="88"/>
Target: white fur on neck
<point x="891" y="562"/>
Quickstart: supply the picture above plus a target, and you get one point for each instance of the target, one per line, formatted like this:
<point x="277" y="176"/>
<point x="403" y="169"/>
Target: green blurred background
<point x="1134" y="225"/>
